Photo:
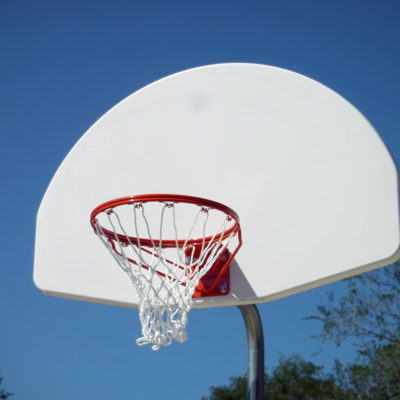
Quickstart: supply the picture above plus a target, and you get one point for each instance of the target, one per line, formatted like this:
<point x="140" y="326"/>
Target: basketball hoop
<point x="166" y="245"/>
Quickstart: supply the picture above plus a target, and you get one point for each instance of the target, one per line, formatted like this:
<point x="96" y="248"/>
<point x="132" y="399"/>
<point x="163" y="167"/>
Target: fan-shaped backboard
<point x="314" y="185"/>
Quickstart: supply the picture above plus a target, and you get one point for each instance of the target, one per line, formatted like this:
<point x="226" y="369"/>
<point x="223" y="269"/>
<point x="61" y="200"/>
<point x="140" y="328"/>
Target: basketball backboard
<point x="314" y="186"/>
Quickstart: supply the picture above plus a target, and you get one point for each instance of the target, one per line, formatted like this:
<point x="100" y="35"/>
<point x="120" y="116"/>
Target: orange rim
<point x="164" y="198"/>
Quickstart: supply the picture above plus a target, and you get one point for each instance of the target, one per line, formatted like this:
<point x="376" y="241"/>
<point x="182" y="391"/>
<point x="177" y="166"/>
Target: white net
<point x="165" y="272"/>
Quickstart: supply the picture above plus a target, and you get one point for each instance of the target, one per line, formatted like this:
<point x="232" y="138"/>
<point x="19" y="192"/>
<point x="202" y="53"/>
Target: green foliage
<point x="370" y="315"/>
<point x="3" y="394"/>
<point x="375" y="379"/>
<point x="294" y="378"/>
<point x="236" y="390"/>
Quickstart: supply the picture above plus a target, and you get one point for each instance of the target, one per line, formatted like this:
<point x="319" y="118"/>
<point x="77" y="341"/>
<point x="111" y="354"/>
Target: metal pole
<point x="255" y="339"/>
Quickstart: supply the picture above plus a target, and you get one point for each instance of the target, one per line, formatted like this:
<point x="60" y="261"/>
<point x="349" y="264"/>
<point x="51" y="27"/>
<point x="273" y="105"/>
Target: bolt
<point x="223" y="288"/>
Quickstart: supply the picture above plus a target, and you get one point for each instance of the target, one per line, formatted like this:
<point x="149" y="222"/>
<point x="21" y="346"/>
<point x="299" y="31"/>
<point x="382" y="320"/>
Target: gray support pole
<point x="255" y="339"/>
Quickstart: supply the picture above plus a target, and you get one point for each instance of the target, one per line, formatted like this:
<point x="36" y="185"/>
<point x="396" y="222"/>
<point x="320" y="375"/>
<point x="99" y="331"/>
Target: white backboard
<point x="314" y="185"/>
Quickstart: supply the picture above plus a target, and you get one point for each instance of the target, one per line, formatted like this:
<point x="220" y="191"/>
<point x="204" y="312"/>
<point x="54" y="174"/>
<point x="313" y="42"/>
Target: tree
<point x="369" y="314"/>
<point x="293" y="378"/>
<point x="374" y="380"/>
<point x="3" y="393"/>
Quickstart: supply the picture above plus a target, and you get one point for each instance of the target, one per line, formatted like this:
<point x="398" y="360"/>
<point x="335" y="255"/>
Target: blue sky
<point x="63" y="65"/>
